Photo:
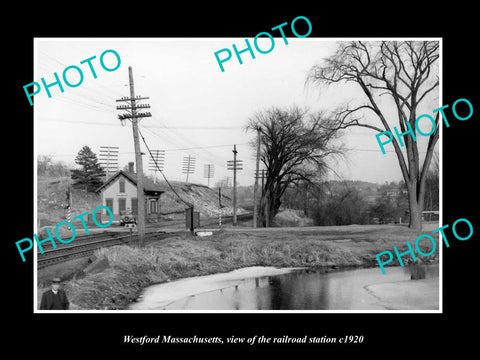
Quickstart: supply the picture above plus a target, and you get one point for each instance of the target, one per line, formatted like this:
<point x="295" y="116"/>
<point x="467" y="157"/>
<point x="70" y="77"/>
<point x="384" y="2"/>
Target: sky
<point x="197" y="109"/>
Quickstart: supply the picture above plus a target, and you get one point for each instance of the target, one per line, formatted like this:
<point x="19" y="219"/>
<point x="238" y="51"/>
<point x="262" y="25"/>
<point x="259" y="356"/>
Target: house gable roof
<point x="148" y="185"/>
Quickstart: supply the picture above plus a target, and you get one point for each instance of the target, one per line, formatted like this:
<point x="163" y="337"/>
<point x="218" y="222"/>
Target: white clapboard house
<point x="119" y="193"/>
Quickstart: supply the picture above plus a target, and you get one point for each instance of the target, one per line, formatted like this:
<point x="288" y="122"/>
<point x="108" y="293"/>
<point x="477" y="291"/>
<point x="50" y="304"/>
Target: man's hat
<point x="56" y="281"/>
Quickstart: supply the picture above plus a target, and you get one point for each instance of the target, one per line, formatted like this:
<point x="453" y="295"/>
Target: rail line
<point x="86" y="248"/>
<point x="85" y="245"/>
<point x="84" y="238"/>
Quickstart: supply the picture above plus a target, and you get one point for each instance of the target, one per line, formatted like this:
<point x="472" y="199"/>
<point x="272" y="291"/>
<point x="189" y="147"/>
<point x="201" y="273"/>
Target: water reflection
<point x="304" y="290"/>
<point x="310" y="290"/>
<point x="417" y="271"/>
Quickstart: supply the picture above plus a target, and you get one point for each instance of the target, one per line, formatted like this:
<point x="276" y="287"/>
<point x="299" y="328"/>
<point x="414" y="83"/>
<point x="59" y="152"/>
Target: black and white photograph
<point x="264" y="186"/>
<point x="203" y="184"/>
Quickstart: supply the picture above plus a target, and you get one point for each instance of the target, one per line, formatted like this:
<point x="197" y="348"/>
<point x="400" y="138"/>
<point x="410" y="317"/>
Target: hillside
<point x="205" y="200"/>
<point x="51" y="200"/>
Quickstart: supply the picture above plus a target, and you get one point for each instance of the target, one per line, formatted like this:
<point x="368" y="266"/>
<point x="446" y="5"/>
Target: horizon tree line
<point x="296" y="145"/>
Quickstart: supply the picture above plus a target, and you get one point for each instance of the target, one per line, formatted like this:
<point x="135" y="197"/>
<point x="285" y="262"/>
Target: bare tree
<point x="406" y="71"/>
<point x="43" y="163"/>
<point x="432" y="185"/>
<point x="294" y="148"/>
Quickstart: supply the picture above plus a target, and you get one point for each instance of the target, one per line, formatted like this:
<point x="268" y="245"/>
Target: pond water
<point x="265" y="288"/>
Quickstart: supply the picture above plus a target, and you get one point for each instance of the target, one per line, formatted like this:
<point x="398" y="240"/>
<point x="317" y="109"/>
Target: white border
<point x="439" y="311"/>
<point x="35" y="183"/>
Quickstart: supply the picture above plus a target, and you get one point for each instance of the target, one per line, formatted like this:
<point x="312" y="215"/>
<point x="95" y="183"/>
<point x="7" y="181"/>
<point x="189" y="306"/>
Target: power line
<point x="78" y="122"/>
<point x="161" y="172"/>
<point x="179" y="137"/>
<point x="201" y="147"/>
<point x="219" y="161"/>
<point x="379" y="151"/>
<point x="108" y="95"/>
<point x="99" y="85"/>
<point x="84" y="92"/>
<point x="82" y="104"/>
<point x="208" y="156"/>
<point x="144" y="127"/>
<point x="191" y="127"/>
<point x="51" y="58"/>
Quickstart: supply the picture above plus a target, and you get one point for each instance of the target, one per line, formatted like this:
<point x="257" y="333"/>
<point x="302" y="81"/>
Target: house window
<point x="121" y="205"/>
<point x="109" y="204"/>
<point x="153" y="206"/>
<point x="121" y="183"/>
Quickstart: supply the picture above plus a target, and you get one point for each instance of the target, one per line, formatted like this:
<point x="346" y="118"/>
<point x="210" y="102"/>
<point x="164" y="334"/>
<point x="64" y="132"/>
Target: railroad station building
<point x="119" y="193"/>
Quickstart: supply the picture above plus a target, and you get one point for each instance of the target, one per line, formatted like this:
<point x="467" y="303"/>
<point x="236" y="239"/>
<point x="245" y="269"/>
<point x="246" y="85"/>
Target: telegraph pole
<point x="234" y="165"/>
<point x="156" y="162"/>
<point x="255" y="187"/>
<point x="134" y="116"/>
<point x="208" y="172"/>
<point x="235" y="185"/>
<point x="263" y="180"/>
<point x="108" y="159"/>
<point x="188" y="166"/>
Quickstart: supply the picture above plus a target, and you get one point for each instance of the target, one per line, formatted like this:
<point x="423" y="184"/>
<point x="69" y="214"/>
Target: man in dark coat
<point x="55" y="298"/>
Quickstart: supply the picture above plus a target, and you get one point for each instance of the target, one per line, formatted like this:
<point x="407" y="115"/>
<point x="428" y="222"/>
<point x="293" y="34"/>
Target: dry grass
<point x="291" y="218"/>
<point x="131" y="269"/>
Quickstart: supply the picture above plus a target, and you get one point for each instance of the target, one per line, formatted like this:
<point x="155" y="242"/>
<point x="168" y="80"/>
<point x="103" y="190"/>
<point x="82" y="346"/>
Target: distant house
<point x="119" y="194"/>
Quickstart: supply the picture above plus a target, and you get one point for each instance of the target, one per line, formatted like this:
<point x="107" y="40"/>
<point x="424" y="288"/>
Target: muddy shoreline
<point x="118" y="275"/>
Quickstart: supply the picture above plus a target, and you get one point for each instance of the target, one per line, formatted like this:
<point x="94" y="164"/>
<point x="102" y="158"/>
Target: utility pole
<point x="220" y="206"/>
<point x="234" y="165"/>
<point x="235" y="185"/>
<point x="208" y="172"/>
<point x="134" y="116"/>
<point x="261" y="174"/>
<point x="188" y="165"/>
<point x="266" y="195"/>
<point x="108" y="159"/>
<point x="263" y="180"/>
<point x="156" y="160"/>
<point x="255" y="187"/>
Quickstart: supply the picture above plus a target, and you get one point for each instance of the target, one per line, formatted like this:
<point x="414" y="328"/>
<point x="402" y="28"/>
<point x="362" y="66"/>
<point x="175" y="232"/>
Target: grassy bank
<point x="121" y="272"/>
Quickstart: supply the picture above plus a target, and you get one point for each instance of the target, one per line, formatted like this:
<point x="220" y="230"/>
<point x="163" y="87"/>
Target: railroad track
<point x="180" y="223"/>
<point x="85" y="245"/>
<point x="47" y="246"/>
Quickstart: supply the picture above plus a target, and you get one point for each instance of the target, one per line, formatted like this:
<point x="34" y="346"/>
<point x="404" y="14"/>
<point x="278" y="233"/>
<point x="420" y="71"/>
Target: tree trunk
<point x="415" y="207"/>
<point x="262" y="212"/>
<point x="269" y="206"/>
<point x="272" y="209"/>
<point x="415" y="217"/>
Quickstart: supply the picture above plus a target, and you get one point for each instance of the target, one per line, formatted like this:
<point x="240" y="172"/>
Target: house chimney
<point x="130" y="167"/>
